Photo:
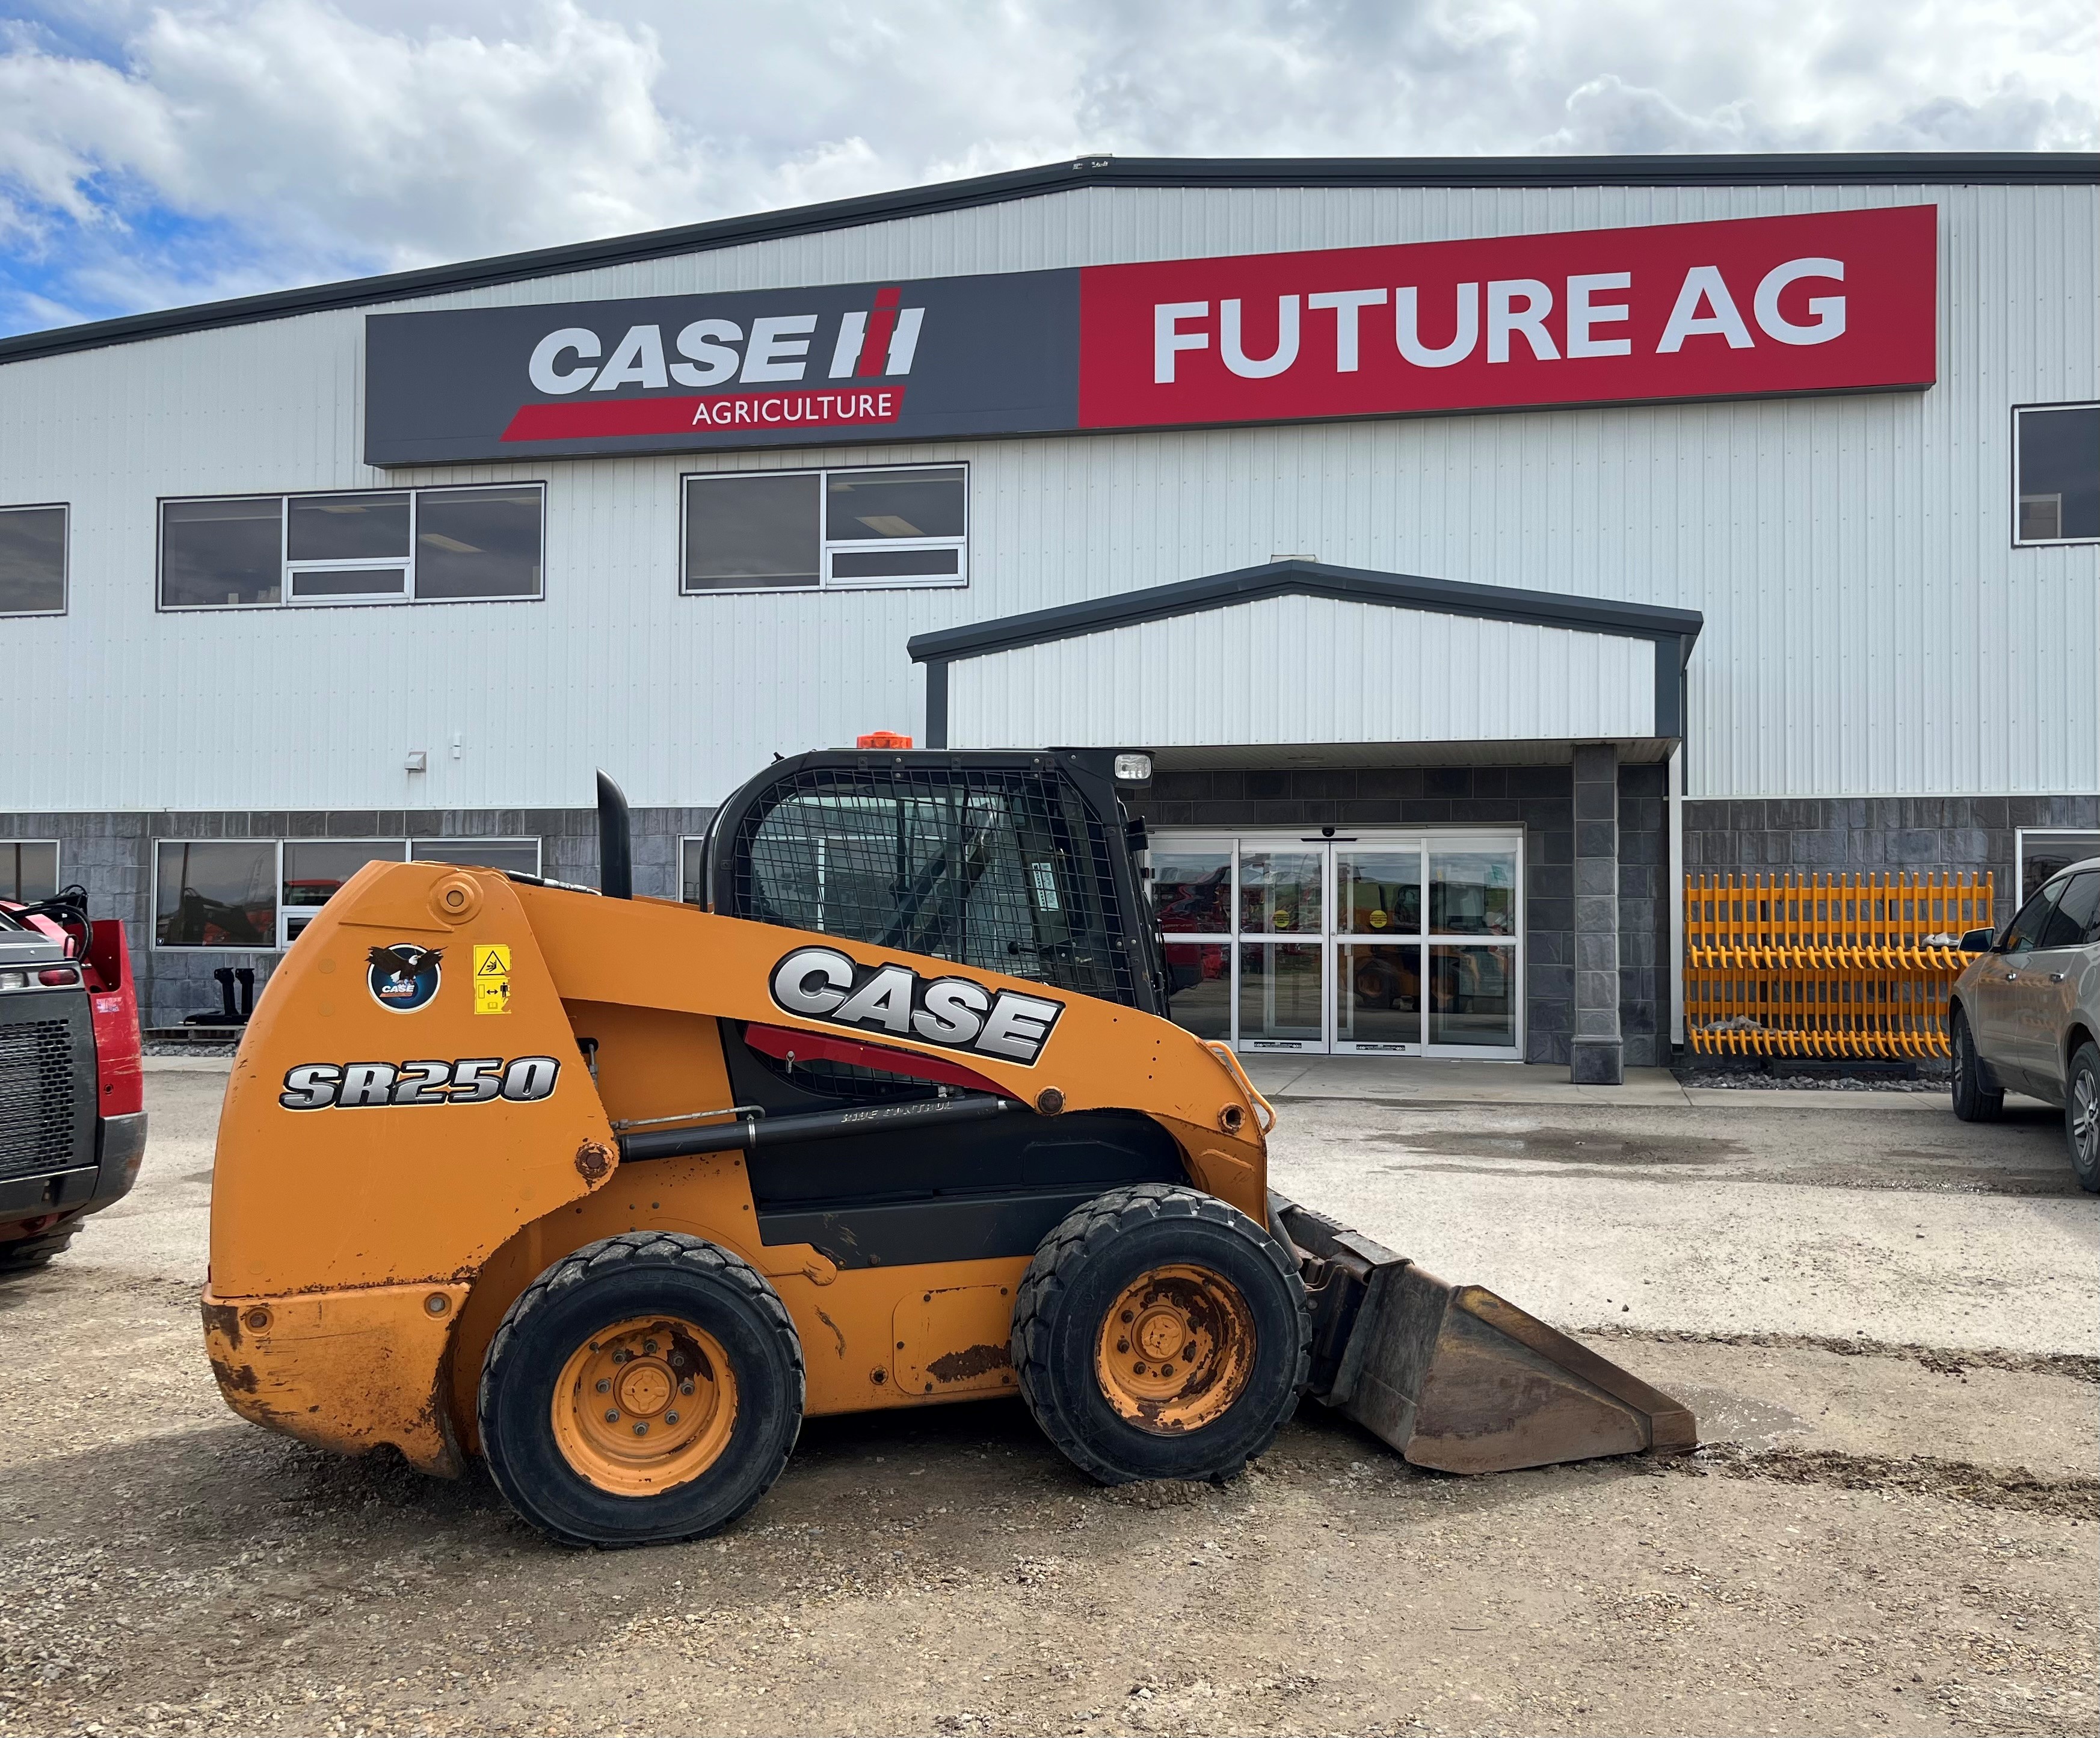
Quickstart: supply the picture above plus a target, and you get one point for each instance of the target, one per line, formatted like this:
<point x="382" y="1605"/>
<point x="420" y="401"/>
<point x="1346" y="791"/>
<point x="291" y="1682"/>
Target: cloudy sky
<point x="152" y="156"/>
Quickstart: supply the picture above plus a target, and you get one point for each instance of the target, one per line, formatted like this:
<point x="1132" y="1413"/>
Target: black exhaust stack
<point x="615" y="842"/>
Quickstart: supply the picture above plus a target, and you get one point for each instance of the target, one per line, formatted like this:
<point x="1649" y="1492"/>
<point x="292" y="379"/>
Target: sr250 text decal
<point x="957" y="1012"/>
<point x="364" y="1086"/>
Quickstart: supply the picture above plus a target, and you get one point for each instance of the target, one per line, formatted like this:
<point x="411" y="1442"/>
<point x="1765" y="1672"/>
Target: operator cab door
<point x="2006" y="987"/>
<point x="2048" y="983"/>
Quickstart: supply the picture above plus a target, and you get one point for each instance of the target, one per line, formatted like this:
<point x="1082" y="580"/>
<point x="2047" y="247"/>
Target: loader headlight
<point x="1133" y="768"/>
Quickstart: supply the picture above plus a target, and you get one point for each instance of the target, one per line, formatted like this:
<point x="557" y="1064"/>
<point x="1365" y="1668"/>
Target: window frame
<point x="2018" y="542"/>
<point x="277" y="844"/>
<point x="287" y="568"/>
<point x="58" y="857"/>
<point x="286" y="912"/>
<point x="539" y="844"/>
<point x="827" y="546"/>
<point x="65" y="509"/>
<point x="277" y="893"/>
<point x="2022" y="836"/>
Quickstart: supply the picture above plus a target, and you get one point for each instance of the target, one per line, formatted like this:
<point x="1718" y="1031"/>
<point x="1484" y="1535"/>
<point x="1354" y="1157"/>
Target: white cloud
<point x="300" y="139"/>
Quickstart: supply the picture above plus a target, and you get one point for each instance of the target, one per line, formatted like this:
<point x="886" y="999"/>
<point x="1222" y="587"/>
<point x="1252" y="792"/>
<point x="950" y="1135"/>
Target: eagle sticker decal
<point x="403" y="977"/>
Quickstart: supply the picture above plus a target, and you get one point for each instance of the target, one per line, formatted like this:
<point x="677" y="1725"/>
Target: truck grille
<point x="38" y="1113"/>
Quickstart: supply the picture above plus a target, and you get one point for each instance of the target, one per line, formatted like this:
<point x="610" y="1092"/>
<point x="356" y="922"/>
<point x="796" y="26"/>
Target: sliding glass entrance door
<point x="1394" y="943"/>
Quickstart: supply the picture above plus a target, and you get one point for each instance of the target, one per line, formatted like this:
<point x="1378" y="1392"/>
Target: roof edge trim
<point x="1066" y="621"/>
<point x="1916" y="168"/>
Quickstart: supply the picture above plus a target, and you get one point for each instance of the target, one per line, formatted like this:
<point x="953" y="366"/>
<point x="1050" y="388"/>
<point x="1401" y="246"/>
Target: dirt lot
<point x="1894" y="1531"/>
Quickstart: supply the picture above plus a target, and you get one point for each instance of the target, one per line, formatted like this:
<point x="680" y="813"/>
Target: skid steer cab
<point x="615" y="1192"/>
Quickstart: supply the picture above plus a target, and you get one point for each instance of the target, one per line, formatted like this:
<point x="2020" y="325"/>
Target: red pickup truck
<point x="72" y="1125"/>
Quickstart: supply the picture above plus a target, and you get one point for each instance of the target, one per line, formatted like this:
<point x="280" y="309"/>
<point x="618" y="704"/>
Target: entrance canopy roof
<point x="1298" y="659"/>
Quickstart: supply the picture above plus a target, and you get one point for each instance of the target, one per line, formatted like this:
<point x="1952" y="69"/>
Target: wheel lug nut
<point x="1123" y="1345"/>
<point x="1167" y="1369"/>
<point x="670" y="1418"/>
<point x="622" y="1356"/>
<point x="1188" y="1351"/>
<point x="649" y="1345"/>
<point x="1139" y="1368"/>
<point x="612" y="1415"/>
<point x="685" y="1386"/>
<point x="604" y="1385"/>
<point x="1128" y="1316"/>
<point x="641" y="1430"/>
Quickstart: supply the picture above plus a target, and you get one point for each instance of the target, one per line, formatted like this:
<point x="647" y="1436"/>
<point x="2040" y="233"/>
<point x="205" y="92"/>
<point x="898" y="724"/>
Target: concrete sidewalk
<point x="1441" y="1080"/>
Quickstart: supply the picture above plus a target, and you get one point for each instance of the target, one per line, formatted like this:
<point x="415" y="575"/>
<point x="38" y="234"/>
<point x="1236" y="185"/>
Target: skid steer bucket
<point x="1455" y="1377"/>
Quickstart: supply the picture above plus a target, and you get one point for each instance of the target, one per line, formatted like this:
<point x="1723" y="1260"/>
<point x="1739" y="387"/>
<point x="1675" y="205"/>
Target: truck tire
<point x="26" y="1254"/>
<point x="1160" y="1333"/>
<point x="646" y="1389"/>
<point x="1973" y="1102"/>
<point x="2081" y="1115"/>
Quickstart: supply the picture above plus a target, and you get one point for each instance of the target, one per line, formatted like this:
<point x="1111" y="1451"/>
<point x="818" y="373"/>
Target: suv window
<point x="1006" y="871"/>
<point x="2071" y="922"/>
<point x="2025" y="930"/>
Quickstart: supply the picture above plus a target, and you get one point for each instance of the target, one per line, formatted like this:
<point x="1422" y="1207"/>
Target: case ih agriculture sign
<point x="1830" y="301"/>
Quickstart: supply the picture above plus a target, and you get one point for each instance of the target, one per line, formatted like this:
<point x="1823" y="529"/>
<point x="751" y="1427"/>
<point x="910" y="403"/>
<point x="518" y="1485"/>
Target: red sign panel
<point x="1829" y="302"/>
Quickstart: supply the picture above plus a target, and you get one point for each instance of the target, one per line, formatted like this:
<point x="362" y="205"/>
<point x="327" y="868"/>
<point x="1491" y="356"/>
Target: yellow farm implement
<point x="1854" y="966"/>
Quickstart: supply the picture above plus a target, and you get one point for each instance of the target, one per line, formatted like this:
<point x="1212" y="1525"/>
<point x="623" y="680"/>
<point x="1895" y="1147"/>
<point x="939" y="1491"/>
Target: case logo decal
<point x="404" y="976"/>
<point x="368" y="1086"/>
<point x="958" y="1014"/>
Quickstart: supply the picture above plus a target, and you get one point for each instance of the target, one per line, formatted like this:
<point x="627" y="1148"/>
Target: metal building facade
<point x="1871" y="633"/>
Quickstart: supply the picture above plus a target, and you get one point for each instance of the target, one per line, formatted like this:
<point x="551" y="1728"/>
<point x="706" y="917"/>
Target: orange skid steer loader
<point x="614" y="1192"/>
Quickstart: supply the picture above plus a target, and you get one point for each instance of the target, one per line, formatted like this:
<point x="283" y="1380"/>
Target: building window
<point x="32" y="561"/>
<point x="2056" y="485"/>
<point x="831" y="529"/>
<point x="366" y="546"/>
<point x="217" y="892"/>
<point x="28" y="869"/>
<point x="314" y="871"/>
<point x="261" y="894"/>
<point x="512" y="856"/>
<point x="2040" y="852"/>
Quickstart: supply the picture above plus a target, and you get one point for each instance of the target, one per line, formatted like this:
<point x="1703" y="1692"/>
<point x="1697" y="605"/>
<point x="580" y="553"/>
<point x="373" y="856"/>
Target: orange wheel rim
<point x="1176" y="1350"/>
<point x="644" y="1405"/>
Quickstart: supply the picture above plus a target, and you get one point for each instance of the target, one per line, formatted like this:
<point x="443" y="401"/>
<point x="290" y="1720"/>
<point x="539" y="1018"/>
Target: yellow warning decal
<point x="491" y="978"/>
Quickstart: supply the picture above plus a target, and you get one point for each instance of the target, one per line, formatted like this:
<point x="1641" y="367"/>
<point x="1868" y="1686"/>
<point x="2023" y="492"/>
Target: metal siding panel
<point x="1870" y="631"/>
<point x="1307" y="670"/>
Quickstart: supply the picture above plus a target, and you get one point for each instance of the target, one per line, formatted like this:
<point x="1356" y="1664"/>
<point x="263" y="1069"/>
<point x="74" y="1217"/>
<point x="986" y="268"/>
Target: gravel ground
<point x="1891" y="1532"/>
<point x="1747" y="1082"/>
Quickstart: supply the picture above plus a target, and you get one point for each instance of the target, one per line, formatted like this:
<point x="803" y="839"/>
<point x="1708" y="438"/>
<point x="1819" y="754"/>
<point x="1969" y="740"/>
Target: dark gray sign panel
<point x="925" y="360"/>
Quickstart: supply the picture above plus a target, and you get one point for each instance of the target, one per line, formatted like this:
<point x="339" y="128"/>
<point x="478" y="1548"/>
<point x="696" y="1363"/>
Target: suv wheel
<point x="1974" y="1102"/>
<point x="2081" y="1115"/>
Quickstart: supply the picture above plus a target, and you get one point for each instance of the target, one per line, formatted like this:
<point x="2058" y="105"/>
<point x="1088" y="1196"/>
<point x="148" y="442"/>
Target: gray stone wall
<point x="1597" y="1053"/>
<point x="1539" y="798"/>
<point x="112" y="855"/>
<point x="1644" y="983"/>
<point x="1872" y="833"/>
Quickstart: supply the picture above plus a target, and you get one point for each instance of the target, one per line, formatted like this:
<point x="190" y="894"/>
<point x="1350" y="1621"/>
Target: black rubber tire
<point x="26" y="1254"/>
<point x="2081" y="1115"/>
<point x="1077" y="1273"/>
<point x="1974" y="1102"/>
<point x="637" y="1273"/>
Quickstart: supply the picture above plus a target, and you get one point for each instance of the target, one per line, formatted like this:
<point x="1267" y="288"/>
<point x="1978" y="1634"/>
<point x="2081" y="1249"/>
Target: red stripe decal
<point x="607" y="417"/>
<point x="816" y="1047"/>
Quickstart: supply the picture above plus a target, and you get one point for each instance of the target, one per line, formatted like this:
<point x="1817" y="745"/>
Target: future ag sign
<point x="1827" y="301"/>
